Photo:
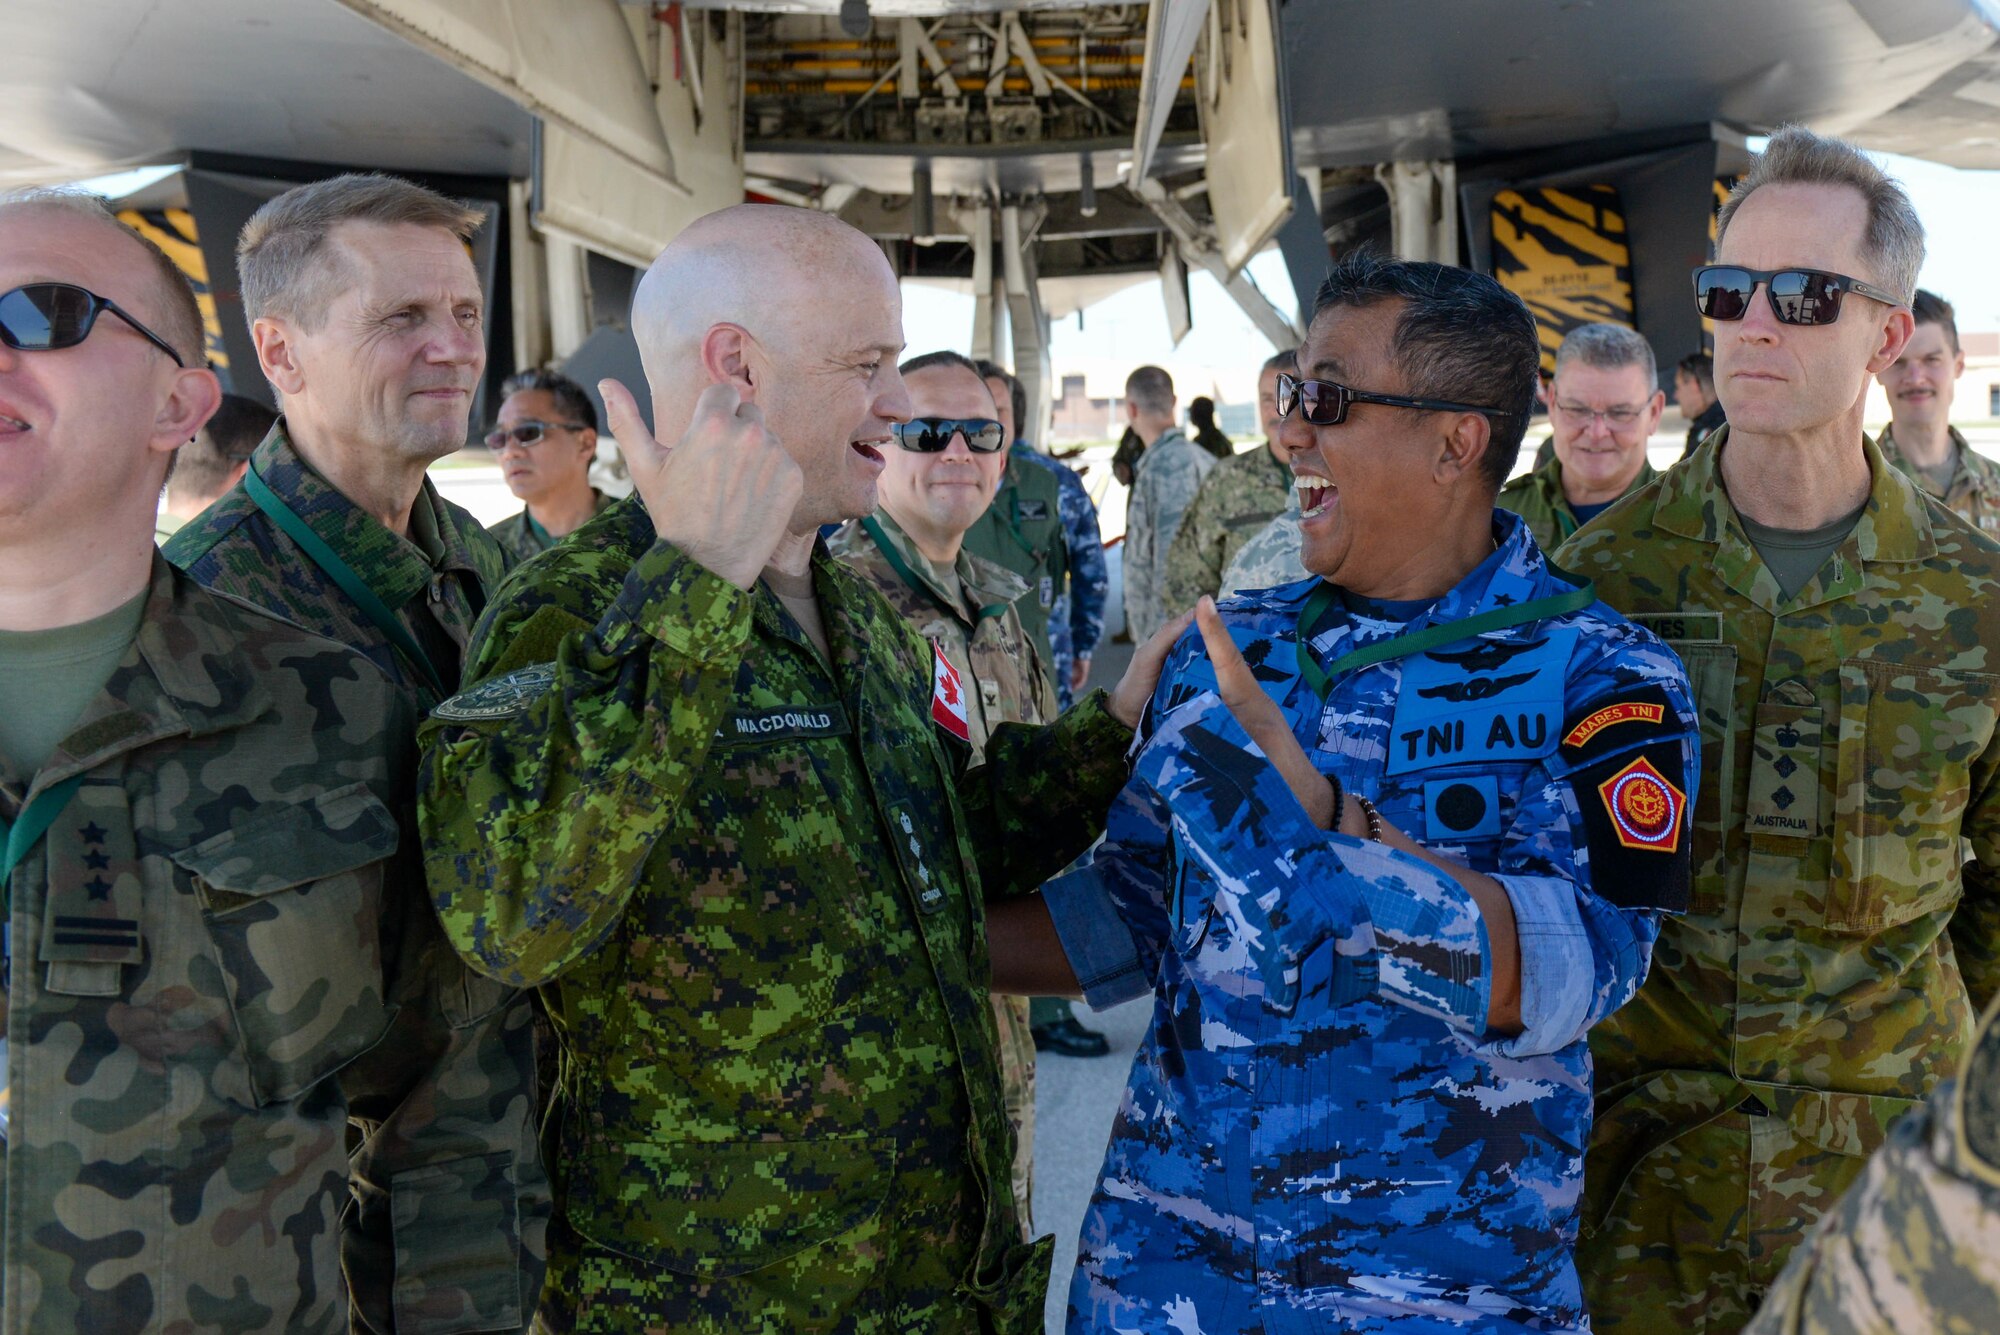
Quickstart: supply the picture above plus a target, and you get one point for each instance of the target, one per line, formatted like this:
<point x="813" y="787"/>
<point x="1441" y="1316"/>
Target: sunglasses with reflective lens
<point x="932" y="435"/>
<point x="1798" y="296"/>
<point x="1325" y="403"/>
<point x="525" y="434"/>
<point x="46" y="317"/>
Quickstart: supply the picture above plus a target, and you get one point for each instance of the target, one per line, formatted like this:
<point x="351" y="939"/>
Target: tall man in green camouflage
<point x="369" y="323"/>
<point x="1838" y="628"/>
<point x="1912" y="1246"/>
<point x="712" y="795"/>
<point x="1604" y="405"/>
<point x="1920" y="438"/>
<point x="1240" y="495"/>
<point x="220" y="971"/>
<point x="912" y="550"/>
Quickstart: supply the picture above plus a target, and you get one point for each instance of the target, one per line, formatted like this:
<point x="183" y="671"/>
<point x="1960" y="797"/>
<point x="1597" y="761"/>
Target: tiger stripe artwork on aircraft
<point x="172" y="230"/>
<point x="1723" y="185"/>
<point x="1565" y="253"/>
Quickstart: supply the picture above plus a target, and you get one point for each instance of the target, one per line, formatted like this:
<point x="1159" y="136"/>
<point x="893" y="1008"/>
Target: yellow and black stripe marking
<point x="1565" y="253"/>
<point x="172" y="230"/>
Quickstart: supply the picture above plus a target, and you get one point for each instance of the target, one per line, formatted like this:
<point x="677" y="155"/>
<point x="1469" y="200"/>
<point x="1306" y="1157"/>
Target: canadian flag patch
<point x="947" y="696"/>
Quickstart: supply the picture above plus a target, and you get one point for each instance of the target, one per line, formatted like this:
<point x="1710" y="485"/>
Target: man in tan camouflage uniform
<point x="912" y="550"/>
<point x="1920" y="438"/>
<point x="1240" y="495"/>
<point x="1163" y="486"/>
<point x="1604" y="406"/>
<point x="220" y="969"/>
<point x="1837" y="626"/>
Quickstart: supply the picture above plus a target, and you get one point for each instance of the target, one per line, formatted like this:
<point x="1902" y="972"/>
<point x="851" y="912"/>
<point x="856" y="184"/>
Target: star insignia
<point x="99" y="888"/>
<point x="94" y="833"/>
<point x="97" y="861"/>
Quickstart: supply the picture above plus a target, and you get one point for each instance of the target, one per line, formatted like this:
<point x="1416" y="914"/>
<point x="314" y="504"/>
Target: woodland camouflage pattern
<point x="1974" y="493"/>
<point x="254" y="969"/>
<point x="1320" y="1133"/>
<point x="969" y="613"/>
<point x="1835" y="955"/>
<point x="1167" y="476"/>
<point x="1915" y="1246"/>
<point x="752" y="889"/>
<point x="1022" y="531"/>
<point x="235" y="547"/>
<point x="518" y="539"/>
<point x="1271" y="558"/>
<point x="1241" y="494"/>
<point x="1538" y="497"/>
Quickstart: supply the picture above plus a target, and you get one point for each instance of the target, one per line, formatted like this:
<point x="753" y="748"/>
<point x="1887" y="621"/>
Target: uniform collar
<point x="1975" y="473"/>
<point x="987" y="583"/>
<point x="1548" y="480"/>
<point x="396" y="568"/>
<point x="1171" y="436"/>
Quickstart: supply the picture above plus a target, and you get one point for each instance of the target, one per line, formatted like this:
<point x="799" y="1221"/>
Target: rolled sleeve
<point x="1100" y="947"/>
<point x="1558" y="965"/>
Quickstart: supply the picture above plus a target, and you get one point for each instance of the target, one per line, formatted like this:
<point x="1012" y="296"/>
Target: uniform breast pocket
<point x="1909" y="738"/>
<point x="293" y="902"/>
<point x="1711" y="670"/>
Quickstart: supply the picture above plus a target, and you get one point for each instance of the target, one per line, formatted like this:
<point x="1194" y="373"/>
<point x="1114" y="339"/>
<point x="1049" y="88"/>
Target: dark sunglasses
<point x="1798" y="296"/>
<point x="46" y="317"/>
<point x="932" y="435"/>
<point x="525" y="434"/>
<point x="1326" y="404"/>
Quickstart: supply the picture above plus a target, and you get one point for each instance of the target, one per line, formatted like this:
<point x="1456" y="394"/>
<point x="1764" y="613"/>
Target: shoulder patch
<point x="1615" y="722"/>
<point x="1978" y="1117"/>
<point x="948" y="697"/>
<point x="502" y="697"/>
<point x="1635" y="818"/>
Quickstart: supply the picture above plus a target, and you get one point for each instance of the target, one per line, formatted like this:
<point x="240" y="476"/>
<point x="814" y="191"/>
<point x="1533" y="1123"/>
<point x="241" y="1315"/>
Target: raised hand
<point x="1142" y="674"/>
<point x="1261" y="718"/>
<point x="725" y="493"/>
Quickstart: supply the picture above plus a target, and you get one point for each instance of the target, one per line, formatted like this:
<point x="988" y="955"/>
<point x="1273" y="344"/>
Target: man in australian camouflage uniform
<point x="1603" y="407"/>
<point x="1359" y="1105"/>
<point x="1240" y="495"/>
<point x="1920" y="438"/>
<point x="221" y="973"/>
<point x="1910" y="1248"/>
<point x="1164" y="482"/>
<point x="1838" y="628"/>
<point x="367" y="316"/>
<point x="712" y="794"/>
<point x="911" y="549"/>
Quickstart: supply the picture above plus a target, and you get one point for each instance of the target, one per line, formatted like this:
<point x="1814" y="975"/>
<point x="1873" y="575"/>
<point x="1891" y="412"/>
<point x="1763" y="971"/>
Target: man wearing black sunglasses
<point x="1839" y="627"/>
<point x="545" y="437"/>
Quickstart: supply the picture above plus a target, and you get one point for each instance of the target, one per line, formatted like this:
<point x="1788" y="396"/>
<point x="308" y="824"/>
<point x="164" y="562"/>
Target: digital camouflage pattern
<point x="1319" y="1132"/>
<point x="1022" y="531"/>
<point x="968" y="612"/>
<point x="751" y="887"/>
<point x="1163" y="486"/>
<point x="1913" y="1246"/>
<point x="1538" y="497"/>
<point x="1974" y="493"/>
<point x="520" y="537"/>
<point x="1076" y="620"/>
<point x="436" y="583"/>
<point x="1271" y="558"/>
<point x="220" y="959"/>
<point x="1240" y="496"/>
<point x="1828" y="972"/>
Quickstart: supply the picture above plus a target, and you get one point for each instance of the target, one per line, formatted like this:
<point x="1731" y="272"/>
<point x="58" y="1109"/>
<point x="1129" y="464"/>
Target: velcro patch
<point x="1635" y="814"/>
<point x="1617" y="723"/>
<point x="1686" y="627"/>
<point x="1462" y="808"/>
<point x="1645" y="808"/>
<point x="502" y="697"/>
<point x="948" y="697"/>
<point x="1034" y="512"/>
<point x="783" y="721"/>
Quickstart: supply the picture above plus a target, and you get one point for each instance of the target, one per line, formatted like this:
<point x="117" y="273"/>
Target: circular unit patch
<point x="1644" y="807"/>
<point x="501" y="697"/>
<point x="1460" y="807"/>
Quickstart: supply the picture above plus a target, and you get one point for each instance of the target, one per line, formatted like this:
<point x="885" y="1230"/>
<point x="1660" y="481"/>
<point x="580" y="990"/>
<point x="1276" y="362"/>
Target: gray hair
<point x="179" y="315"/>
<point x="1152" y="389"/>
<point x="1609" y="347"/>
<point x="1287" y="361"/>
<point x="283" y="264"/>
<point x="1894" y="241"/>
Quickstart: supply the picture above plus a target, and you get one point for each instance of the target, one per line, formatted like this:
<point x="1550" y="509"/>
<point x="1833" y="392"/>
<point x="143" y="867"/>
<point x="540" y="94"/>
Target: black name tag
<point x="785" y="721"/>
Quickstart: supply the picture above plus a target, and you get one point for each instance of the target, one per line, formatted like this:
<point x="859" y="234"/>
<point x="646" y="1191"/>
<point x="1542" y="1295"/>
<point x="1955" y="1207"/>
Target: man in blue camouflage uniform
<point x="1076" y="618"/>
<point x="1364" y="1096"/>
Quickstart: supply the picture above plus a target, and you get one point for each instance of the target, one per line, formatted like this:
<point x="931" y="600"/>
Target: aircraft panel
<point x="1564" y="252"/>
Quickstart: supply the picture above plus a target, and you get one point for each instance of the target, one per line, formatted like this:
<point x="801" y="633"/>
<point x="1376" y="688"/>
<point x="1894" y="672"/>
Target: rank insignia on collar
<point x="948" y="697"/>
<point x="1645" y="808"/>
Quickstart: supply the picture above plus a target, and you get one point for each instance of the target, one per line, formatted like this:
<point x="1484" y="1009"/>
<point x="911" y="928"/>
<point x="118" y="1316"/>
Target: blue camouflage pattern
<point x="1076" y="619"/>
<point x="1319" y="1133"/>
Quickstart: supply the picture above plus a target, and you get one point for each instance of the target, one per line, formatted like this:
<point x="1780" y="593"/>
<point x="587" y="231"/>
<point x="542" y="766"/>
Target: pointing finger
<point x="628" y="428"/>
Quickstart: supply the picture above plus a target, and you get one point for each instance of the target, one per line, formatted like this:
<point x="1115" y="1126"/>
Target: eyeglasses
<point x="932" y="435"/>
<point x="526" y="434"/>
<point x="1326" y="403"/>
<point x="47" y="317"/>
<point x="1622" y="415"/>
<point x="1798" y="296"/>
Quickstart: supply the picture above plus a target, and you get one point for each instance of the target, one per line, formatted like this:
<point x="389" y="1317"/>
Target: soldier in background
<point x="1604" y="407"/>
<point x="1023" y="531"/>
<point x="951" y="455"/>
<point x="1165" y="479"/>
<point x="1238" y="498"/>
<point x="221" y="968"/>
<point x="213" y="462"/>
<point x="545" y="439"/>
<point x="1920" y="438"/>
<point x="1203" y="430"/>
<point x="1694" y="395"/>
<point x="1270" y="558"/>
<point x="1910" y="1248"/>
<point x="1838" y="627"/>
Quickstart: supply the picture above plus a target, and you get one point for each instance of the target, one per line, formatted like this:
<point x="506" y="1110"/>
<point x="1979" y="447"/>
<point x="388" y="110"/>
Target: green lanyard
<point x="1430" y="637"/>
<point x="32" y="824"/>
<point x="351" y="584"/>
<point x="910" y="577"/>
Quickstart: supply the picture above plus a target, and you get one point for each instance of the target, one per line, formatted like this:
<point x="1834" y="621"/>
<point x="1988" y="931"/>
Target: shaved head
<point x="804" y="315"/>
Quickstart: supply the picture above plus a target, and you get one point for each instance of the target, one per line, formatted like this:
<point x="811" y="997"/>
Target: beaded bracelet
<point x="1339" y="798"/>
<point x="1373" y="816"/>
